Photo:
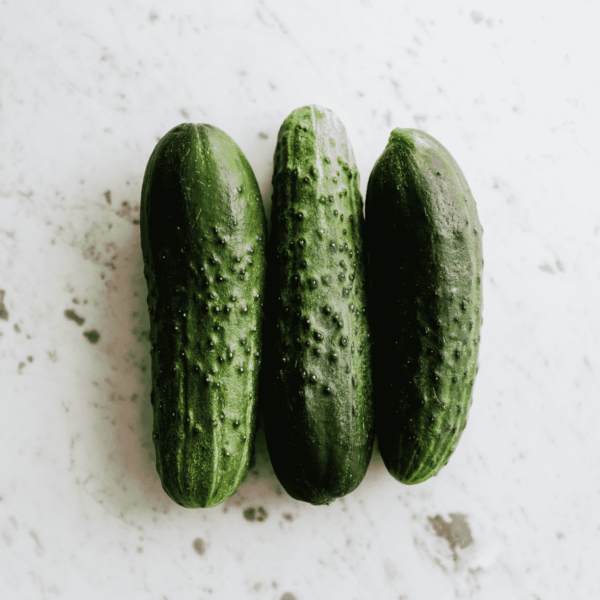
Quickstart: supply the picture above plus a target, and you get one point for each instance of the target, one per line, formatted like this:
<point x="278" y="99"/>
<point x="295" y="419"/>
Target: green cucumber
<point x="425" y="259"/>
<point x="318" y="412"/>
<point x="203" y="235"/>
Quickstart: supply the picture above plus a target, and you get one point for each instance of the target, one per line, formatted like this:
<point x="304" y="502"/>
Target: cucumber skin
<point x="205" y="407"/>
<point x="424" y="244"/>
<point x="319" y="433"/>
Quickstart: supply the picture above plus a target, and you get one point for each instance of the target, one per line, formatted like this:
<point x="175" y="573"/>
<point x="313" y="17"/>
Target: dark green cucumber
<point x="425" y="260"/>
<point x="203" y="233"/>
<point x="318" y="412"/>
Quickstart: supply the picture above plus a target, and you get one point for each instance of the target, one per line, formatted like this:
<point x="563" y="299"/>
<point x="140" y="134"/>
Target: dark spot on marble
<point x="17" y="328"/>
<point x="476" y="16"/>
<point x="92" y="335"/>
<point x="73" y="316"/>
<point x="252" y="514"/>
<point x="199" y="546"/>
<point x="39" y="549"/>
<point x="288" y="516"/>
<point x="288" y="596"/>
<point x="108" y="197"/>
<point x="3" y="311"/>
<point x="184" y="113"/>
<point x="548" y="268"/>
<point x="263" y="136"/>
<point x="456" y="532"/>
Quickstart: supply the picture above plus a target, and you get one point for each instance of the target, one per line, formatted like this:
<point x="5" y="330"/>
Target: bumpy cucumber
<point x="425" y="260"/>
<point x="203" y="234"/>
<point x="318" y="412"/>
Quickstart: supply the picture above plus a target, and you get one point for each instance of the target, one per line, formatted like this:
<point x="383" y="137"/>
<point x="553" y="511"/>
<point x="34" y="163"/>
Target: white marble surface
<point x="86" y="89"/>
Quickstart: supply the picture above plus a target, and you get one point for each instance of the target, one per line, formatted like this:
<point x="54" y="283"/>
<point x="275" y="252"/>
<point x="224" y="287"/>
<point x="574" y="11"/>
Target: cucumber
<point x="425" y="260"/>
<point x="318" y="412"/>
<point x="203" y="236"/>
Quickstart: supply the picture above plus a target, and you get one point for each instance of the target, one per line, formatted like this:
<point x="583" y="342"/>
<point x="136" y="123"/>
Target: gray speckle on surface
<point x="548" y="268"/>
<point x="3" y="311"/>
<point x="456" y="531"/>
<point x="199" y="546"/>
<point x="253" y="514"/>
<point x="92" y="335"/>
<point x="73" y="316"/>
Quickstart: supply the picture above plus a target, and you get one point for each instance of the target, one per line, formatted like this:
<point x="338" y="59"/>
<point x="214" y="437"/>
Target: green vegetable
<point x="425" y="256"/>
<point x="203" y="231"/>
<point x="318" y="412"/>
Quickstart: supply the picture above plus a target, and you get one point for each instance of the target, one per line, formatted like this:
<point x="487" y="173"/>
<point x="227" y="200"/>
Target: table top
<point x="88" y="89"/>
